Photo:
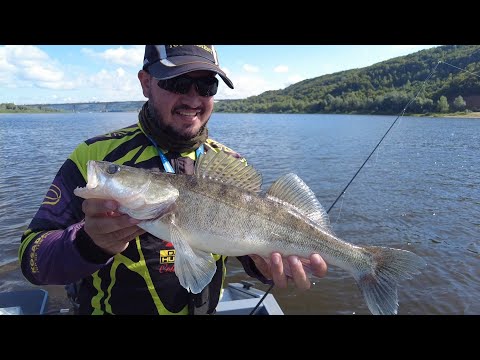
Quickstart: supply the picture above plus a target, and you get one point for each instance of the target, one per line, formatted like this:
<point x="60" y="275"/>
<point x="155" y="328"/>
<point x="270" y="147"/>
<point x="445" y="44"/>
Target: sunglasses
<point x="205" y="86"/>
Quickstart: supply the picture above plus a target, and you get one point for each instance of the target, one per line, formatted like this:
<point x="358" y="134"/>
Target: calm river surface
<point x="420" y="191"/>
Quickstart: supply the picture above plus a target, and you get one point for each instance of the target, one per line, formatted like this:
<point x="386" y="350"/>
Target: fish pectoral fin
<point x="194" y="268"/>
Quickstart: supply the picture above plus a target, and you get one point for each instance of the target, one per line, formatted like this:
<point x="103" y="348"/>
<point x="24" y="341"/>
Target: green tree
<point x="442" y="104"/>
<point x="459" y="104"/>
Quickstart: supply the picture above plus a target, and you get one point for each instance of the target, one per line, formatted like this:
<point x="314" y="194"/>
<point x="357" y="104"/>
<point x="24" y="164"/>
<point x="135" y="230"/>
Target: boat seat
<point x="24" y="302"/>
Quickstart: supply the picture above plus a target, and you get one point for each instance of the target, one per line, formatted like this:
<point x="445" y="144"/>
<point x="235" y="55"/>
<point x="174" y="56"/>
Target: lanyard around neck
<point x="166" y="164"/>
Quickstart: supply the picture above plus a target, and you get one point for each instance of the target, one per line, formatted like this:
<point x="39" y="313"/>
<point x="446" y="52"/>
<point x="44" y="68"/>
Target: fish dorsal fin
<point x="221" y="166"/>
<point x="292" y="190"/>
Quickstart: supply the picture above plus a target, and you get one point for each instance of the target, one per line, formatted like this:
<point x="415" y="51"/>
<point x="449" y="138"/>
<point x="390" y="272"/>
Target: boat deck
<point x="237" y="299"/>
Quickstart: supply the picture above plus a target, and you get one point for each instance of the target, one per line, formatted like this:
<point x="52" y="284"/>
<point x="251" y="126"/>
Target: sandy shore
<point x="475" y="115"/>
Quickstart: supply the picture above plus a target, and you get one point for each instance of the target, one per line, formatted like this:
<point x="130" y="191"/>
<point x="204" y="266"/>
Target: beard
<point x="169" y="130"/>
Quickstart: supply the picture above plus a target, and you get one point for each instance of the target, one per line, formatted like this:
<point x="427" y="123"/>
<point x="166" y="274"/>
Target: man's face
<point x="181" y="114"/>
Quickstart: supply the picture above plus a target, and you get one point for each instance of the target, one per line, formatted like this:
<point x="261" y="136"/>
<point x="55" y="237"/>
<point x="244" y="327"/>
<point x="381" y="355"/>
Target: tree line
<point x="383" y="88"/>
<point x="12" y="108"/>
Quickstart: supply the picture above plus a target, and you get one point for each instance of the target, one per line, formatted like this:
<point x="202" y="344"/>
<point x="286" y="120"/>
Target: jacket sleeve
<point x="55" y="249"/>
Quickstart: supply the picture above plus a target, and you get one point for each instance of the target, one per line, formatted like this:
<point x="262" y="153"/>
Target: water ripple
<point x="420" y="192"/>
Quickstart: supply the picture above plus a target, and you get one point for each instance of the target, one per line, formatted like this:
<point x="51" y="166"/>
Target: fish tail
<point x="379" y="283"/>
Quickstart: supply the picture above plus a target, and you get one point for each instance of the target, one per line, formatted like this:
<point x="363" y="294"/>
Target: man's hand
<point x="109" y="229"/>
<point x="280" y="269"/>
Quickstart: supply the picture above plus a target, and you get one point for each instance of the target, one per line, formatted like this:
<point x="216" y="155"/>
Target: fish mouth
<point x="92" y="178"/>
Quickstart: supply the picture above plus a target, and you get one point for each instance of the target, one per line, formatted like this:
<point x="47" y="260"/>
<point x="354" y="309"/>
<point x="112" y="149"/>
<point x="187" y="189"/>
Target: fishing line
<point x="383" y="137"/>
<point x="391" y="126"/>
<point x="368" y="157"/>
<point x="339" y="211"/>
<point x="456" y="67"/>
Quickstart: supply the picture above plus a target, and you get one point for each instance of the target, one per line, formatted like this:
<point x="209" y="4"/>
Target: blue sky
<point x="34" y="74"/>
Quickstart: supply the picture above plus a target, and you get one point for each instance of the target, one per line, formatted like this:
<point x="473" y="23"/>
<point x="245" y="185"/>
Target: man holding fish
<point x="92" y="241"/>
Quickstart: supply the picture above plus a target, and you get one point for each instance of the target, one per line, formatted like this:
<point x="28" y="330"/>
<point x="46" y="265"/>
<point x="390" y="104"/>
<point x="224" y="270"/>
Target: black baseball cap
<point x="167" y="61"/>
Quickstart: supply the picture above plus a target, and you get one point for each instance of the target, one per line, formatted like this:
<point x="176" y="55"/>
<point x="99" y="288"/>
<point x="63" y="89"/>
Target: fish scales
<point x="220" y="210"/>
<point x="268" y="225"/>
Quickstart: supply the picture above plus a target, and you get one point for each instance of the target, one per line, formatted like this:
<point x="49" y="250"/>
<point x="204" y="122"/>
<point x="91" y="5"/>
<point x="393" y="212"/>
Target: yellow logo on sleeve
<point x="167" y="256"/>
<point x="54" y="194"/>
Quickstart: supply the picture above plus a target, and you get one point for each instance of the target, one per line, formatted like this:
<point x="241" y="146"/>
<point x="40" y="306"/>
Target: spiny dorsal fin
<point x="292" y="190"/>
<point x="221" y="166"/>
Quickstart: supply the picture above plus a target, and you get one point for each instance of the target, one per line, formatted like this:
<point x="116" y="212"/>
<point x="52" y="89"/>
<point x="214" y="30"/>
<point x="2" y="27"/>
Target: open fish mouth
<point x="92" y="178"/>
<point x="137" y="194"/>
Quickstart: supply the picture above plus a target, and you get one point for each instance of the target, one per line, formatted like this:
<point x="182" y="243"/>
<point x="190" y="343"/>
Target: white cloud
<point x="225" y="70"/>
<point x="28" y="66"/>
<point x="250" y="68"/>
<point x="245" y="86"/>
<point x="40" y="72"/>
<point x="31" y="72"/>
<point x="60" y="85"/>
<point x="25" y="53"/>
<point x="120" y="72"/>
<point x="118" y="84"/>
<point x="6" y="69"/>
<point x="5" y="65"/>
<point x="281" y="69"/>
<point x="120" y="56"/>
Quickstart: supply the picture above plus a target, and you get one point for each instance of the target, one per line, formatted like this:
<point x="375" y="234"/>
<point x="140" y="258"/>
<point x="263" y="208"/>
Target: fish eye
<point x="113" y="168"/>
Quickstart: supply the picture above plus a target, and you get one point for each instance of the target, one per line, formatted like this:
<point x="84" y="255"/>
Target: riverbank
<point x="470" y="115"/>
<point x="475" y="115"/>
<point x="31" y="112"/>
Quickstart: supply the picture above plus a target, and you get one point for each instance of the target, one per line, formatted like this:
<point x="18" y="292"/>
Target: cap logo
<point x="204" y="47"/>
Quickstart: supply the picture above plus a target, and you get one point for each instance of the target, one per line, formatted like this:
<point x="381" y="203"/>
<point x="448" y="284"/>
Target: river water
<point x="420" y="191"/>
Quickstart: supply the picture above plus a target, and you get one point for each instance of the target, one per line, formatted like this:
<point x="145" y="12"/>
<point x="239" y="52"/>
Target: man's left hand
<point x="281" y="269"/>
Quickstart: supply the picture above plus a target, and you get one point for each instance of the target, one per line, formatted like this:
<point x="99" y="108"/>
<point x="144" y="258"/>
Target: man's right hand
<point x="109" y="229"/>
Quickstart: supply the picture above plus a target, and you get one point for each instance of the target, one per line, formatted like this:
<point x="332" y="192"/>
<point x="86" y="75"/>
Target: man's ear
<point x="144" y="78"/>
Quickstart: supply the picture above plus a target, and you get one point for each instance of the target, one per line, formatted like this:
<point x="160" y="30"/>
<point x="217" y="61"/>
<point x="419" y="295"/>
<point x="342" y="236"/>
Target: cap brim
<point x="183" y="65"/>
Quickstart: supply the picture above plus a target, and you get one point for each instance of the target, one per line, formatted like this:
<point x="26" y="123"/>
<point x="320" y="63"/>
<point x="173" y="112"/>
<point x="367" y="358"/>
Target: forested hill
<point x="382" y="88"/>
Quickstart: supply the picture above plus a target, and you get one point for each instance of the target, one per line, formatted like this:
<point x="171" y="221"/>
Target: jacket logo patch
<point x="54" y="194"/>
<point x="167" y="261"/>
<point x="167" y="256"/>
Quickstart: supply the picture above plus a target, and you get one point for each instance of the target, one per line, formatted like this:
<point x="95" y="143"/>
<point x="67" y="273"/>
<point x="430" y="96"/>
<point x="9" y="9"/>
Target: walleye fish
<point x="221" y="210"/>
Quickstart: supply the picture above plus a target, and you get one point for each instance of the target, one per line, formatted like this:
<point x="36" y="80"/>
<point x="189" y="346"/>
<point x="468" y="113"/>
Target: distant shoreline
<point x="33" y="112"/>
<point x="470" y="115"/>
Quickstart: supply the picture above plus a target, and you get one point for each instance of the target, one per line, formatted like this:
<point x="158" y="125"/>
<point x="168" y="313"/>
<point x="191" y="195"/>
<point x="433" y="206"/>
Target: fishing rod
<point x="369" y="156"/>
